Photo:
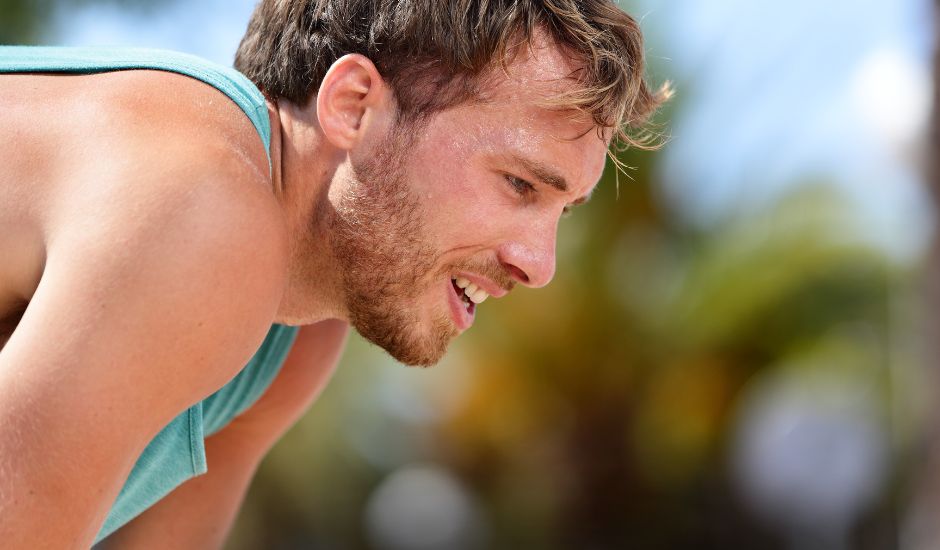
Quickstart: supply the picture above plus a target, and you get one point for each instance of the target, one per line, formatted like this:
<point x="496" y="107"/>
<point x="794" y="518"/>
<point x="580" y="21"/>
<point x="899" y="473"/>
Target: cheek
<point x="459" y="200"/>
<point x="460" y="213"/>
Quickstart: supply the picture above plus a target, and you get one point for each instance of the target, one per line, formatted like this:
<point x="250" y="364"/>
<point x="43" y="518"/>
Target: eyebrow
<point x="543" y="172"/>
<point x="549" y="175"/>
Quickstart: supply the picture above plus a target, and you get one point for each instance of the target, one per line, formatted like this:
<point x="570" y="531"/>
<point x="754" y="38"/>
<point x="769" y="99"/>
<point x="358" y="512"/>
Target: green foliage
<point x="28" y="21"/>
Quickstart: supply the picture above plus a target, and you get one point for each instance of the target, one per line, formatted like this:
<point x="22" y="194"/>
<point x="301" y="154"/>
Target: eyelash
<point x="525" y="189"/>
<point x="520" y="186"/>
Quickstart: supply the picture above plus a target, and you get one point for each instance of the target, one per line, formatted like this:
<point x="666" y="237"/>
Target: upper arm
<point x="200" y="512"/>
<point x="152" y="297"/>
<point x="305" y="373"/>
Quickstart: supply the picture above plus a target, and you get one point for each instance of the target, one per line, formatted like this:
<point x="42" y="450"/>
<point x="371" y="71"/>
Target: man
<point x="414" y="160"/>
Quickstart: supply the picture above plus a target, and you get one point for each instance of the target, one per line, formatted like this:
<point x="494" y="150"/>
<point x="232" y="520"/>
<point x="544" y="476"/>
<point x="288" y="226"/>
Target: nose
<point x="530" y="254"/>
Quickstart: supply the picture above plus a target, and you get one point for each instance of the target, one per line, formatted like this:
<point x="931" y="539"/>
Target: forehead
<point x="538" y="70"/>
<point x="517" y="114"/>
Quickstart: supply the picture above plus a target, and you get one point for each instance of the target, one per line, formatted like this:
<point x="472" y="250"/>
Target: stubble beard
<point x="379" y="242"/>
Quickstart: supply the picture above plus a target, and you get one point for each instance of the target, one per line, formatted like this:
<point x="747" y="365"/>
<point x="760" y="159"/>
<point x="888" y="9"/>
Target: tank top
<point x="177" y="453"/>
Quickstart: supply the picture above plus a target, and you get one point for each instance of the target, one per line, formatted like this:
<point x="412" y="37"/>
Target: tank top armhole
<point x="197" y="440"/>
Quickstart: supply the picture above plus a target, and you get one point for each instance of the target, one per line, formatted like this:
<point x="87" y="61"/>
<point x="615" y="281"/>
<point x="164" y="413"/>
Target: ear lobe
<point x="351" y="91"/>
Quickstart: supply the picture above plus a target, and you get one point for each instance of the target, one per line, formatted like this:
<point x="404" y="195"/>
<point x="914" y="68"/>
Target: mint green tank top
<point x="178" y="452"/>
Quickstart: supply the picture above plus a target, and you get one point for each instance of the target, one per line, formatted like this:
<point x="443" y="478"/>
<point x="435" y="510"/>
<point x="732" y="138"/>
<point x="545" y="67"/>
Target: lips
<point x="461" y="312"/>
<point x="464" y="296"/>
<point x="467" y="291"/>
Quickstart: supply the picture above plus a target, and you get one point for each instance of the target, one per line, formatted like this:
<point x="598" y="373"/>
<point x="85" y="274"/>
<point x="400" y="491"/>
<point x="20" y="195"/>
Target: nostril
<point x="518" y="274"/>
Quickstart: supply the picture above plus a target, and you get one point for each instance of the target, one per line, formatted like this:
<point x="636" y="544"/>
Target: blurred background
<point x="736" y="350"/>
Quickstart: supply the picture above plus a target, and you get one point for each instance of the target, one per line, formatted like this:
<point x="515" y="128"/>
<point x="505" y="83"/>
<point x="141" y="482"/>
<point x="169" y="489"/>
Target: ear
<point x="352" y="95"/>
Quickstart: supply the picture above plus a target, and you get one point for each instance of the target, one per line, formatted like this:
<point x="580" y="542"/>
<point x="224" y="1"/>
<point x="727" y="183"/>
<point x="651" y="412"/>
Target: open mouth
<point x="464" y="301"/>
<point x="462" y="296"/>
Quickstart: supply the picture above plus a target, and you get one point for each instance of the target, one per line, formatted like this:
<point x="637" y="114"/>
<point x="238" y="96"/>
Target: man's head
<point x="461" y="130"/>
<point x="437" y="53"/>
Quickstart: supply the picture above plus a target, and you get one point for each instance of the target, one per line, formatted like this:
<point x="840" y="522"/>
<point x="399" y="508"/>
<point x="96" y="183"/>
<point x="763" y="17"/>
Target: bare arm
<point x="199" y="513"/>
<point x="139" y="314"/>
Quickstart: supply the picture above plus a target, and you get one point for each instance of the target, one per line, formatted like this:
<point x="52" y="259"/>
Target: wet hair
<point x="435" y="54"/>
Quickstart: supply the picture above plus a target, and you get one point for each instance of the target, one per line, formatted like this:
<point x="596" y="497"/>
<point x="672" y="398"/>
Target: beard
<point x="378" y="240"/>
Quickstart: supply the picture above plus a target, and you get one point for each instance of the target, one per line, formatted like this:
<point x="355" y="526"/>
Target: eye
<point x="520" y="186"/>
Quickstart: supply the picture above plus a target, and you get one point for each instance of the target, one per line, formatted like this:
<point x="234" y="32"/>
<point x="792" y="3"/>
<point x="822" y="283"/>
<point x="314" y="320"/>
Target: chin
<point x="415" y="358"/>
<point x="413" y="352"/>
<point x="404" y="343"/>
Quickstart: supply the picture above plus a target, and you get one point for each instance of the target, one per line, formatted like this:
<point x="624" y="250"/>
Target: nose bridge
<point x="531" y="250"/>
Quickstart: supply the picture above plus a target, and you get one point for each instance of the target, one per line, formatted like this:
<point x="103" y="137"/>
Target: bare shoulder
<point x="170" y="211"/>
<point x="197" y="122"/>
<point x="171" y="151"/>
<point x="164" y="264"/>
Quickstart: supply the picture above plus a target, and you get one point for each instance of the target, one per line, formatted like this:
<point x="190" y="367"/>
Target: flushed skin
<point x="142" y="269"/>
<point x="455" y="210"/>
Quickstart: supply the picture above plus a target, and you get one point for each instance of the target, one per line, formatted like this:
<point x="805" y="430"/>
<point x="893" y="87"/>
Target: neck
<point x="303" y="167"/>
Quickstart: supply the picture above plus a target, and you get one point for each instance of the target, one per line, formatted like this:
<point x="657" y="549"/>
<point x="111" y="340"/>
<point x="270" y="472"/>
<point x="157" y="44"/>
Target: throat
<point x="9" y="320"/>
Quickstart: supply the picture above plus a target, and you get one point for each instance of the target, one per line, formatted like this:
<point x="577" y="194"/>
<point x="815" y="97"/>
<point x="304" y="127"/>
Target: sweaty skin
<point x="135" y="251"/>
<point x="143" y="267"/>
<point x="451" y="193"/>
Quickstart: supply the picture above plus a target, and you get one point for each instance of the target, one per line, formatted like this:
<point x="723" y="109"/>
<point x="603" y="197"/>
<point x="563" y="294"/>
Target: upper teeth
<point x="472" y="291"/>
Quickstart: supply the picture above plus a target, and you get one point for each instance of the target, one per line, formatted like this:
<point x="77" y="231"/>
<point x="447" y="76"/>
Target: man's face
<point x="474" y="196"/>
